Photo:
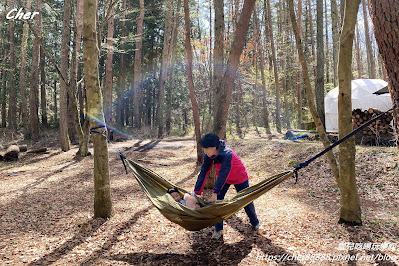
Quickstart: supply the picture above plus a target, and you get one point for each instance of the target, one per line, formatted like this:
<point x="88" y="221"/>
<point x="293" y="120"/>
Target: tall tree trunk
<point x="381" y="68"/>
<point x="218" y="51"/>
<point x="122" y="74"/>
<point x="3" y="94"/>
<point x="164" y="69"/>
<point x="327" y="55"/>
<point x="254" y="105"/>
<point x="369" y="49"/>
<point x="320" y="64"/>
<point x="223" y="103"/>
<point x="108" y="69"/>
<point x="78" y="42"/>
<point x="185" y="116"/>
<point x="148" y="105"/>
<point x="311" y="36"/>
<point x="211" y="72"/>
<point x="43" y="99"/>
<point x="81" y="125"/>
<point x="319" y="126"/>
<point x="33" y="97"/>
<point x="194" y="104"/>
<point x="262" y="75"/>
<point x="55" y="117"/>
<point x="238" y="104"/>
<point x="22" y="74"/>
<point x="342" y="11"/>
<point x="153" y="115"/>
<point x="137" y="68"/>
<point x="358" y="59"/>
<point x="66" y="35"/>
<point x="71" y="84"/>
<point x="102" y="190"/>
<point x="299" y="73"/>
<point x="282" y="55"/>
<point x="386" y="25"/>
<point x="176" y="19"/>
<point x="3" y="70"/>
<point x="12" y="107"/>
<point x="127" y="110"/>
<point x="335" y="37"/>
<point x="350" y="212"/>
<point x="276" y="80"/>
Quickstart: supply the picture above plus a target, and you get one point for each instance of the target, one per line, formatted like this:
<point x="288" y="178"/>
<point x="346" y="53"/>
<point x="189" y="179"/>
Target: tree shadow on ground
<point x="86" y="230"/>
<point x="374" y="250"/>
<point x="38" y="181"/>
<point x="35" y="160"/>
<point x="270" y="251"/>
<point x="212" y="254"/>
<point x="148" y="146"/>
<point x="112" y="240"/>
<point x="207" y="251"/>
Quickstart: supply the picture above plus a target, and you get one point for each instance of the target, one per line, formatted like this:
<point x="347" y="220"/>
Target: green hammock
<point x="210" y="213"/>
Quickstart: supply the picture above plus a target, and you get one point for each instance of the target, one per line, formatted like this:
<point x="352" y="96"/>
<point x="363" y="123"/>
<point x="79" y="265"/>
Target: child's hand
<point x="213" y="197"/>
<point x="195" y="194"/>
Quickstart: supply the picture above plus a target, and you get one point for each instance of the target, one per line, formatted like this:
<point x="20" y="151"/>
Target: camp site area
<point x="46" y="202"/>
<point x="199" y="132"/>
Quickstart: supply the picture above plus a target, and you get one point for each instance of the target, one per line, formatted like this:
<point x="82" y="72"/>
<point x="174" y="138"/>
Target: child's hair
<point x="210" y="140"/>
<point x="171" y="190"/>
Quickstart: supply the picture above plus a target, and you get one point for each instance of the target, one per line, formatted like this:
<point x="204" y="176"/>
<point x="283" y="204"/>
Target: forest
<point x="85" y="84"/>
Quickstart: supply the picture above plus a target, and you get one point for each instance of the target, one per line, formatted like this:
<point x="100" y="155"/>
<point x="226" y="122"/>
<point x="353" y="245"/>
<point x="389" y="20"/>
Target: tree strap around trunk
<point x="93" y="130"/>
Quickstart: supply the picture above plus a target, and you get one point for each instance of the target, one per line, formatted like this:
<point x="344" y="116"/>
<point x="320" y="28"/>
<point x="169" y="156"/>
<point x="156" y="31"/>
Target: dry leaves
<point x="46" y="206"/>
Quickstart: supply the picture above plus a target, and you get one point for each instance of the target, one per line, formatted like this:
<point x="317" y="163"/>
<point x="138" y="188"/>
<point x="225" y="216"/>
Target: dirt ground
<point x="46" y="209"/>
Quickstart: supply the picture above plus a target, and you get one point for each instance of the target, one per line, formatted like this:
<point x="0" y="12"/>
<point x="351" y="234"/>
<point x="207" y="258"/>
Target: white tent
<point x="363" y="97"/>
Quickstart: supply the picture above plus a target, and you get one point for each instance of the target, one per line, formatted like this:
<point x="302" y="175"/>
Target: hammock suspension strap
<point x="94" y="130"/>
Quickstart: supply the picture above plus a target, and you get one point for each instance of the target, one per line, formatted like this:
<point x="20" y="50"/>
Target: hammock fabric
<point x="209" y="214"/>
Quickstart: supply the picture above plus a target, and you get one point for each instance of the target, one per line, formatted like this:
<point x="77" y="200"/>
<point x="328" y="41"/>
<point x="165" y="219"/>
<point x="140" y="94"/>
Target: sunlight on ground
<point x="47" y="200"/>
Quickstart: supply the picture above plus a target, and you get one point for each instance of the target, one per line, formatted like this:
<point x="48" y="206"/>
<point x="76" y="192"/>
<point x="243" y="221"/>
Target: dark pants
<point x="249" y="209"/>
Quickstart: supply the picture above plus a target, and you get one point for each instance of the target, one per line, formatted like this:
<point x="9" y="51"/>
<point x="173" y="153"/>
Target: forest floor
<point x="46" y="209"/>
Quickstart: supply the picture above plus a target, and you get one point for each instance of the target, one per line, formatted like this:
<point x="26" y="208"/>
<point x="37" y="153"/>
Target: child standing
<point x="230" y="171"/>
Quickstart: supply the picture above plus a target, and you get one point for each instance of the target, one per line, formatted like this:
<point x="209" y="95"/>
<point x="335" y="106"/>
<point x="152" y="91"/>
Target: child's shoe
<point x="217" y="234"/>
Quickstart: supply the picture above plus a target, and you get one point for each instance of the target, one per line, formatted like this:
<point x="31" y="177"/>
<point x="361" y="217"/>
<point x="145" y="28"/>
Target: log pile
<point x="380" y="128"/>
<point x="13" y="152"/>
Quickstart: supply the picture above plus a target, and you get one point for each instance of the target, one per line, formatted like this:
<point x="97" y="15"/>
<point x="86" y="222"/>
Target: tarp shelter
<point x="363" y="97"/>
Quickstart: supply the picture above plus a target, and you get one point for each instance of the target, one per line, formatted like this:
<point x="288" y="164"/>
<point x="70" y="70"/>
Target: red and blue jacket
<point x="229" y="169"/>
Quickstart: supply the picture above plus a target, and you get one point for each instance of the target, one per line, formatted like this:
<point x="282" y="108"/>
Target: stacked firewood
<point x="379" y="128"/>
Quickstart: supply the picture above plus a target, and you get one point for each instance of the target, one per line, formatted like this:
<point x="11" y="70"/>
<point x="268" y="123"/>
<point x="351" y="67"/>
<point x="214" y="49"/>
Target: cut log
<point x="12" y="153"/>
<point x="37" y="150"/>
<point x="23" y="148"/>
